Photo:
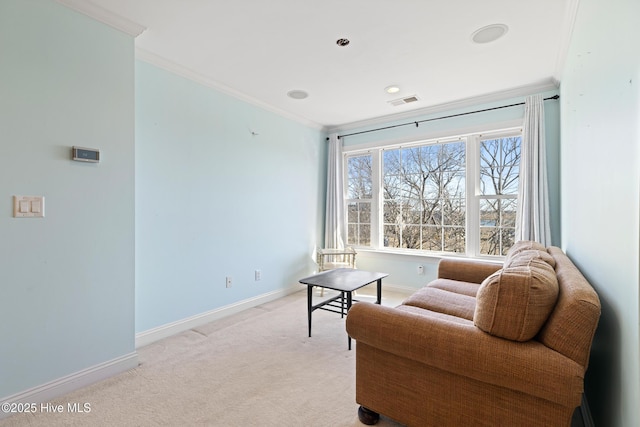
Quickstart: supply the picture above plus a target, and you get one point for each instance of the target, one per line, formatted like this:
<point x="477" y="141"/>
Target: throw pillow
<point x="515" y="302"/>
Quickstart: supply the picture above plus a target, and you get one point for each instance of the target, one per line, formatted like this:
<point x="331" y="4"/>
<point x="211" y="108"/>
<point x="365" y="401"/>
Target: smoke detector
<point x="404" y="100"/>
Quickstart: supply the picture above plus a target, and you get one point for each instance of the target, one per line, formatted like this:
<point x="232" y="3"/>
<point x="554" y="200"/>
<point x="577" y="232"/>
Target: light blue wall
<point x="402" y="268"/>
<point x="66" y="280"/>
<point x="213" y="200"/>
<point x="600" y="189"/>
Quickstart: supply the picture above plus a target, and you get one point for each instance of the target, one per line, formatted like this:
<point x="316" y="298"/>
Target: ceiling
<point x="260" y="50"/>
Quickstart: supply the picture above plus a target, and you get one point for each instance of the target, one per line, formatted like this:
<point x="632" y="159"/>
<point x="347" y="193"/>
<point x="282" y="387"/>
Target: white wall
<point x="600" y="188"/>
<point x="214" y="200"/>
<point x="66" y="280"/>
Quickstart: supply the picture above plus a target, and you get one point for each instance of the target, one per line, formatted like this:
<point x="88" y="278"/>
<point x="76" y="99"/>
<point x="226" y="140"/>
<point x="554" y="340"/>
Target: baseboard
<point x="407" y="290"/>
<point x="51" y="390"/>
<point x="164" y="331"/>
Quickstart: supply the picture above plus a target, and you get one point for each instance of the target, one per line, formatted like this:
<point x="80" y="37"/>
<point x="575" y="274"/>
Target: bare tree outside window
<point x="424" y="197"/>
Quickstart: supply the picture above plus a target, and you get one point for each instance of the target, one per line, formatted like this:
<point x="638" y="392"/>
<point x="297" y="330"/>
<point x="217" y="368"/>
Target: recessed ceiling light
<point x="392" y="89"/>
<point x="297" y="94"/>
<point x="489" y="33"/>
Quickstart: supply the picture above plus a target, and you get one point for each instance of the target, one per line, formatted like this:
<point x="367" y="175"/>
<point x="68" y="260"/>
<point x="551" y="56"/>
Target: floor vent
<point x="405" y="100"/>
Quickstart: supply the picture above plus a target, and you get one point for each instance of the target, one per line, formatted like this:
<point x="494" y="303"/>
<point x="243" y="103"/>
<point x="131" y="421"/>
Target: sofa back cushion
<point x="521" y="246"/>
<point x="515" y="302"/>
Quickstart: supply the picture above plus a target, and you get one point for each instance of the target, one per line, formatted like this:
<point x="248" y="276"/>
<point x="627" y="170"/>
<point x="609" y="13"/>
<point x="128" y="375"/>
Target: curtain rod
<point x="440" y="118"/>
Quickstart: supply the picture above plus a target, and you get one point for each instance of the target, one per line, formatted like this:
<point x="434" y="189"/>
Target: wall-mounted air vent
<point x="405" y="100"/>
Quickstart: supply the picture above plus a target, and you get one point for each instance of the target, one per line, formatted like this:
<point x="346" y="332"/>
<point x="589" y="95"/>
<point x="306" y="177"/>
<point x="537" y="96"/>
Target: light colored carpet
<point x="255" y="368"/>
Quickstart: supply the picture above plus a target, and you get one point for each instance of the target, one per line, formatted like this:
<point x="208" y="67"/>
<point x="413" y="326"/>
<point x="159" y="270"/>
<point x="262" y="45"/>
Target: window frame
<point x="472" y="140"/>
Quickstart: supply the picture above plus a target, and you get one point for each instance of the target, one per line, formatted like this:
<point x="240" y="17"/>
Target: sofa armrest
<point x="466" y="270"/>
<point x="465" y="350"/>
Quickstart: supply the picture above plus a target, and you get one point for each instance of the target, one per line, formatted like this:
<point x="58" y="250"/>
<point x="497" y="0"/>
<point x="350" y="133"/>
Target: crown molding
<point x="173" y="67"/>
<point x="546" y="85"/>
<point x="105" y="16"/>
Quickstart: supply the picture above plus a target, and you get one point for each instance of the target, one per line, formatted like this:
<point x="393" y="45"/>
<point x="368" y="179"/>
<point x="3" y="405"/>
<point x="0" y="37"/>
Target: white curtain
<point x="334" y="222"/>
<point x="532" y="218"/>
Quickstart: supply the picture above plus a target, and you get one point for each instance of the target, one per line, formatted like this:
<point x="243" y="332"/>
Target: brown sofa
<point x="483" y="344"/>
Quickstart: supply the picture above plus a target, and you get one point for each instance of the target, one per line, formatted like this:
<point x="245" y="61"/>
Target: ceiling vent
<point x="405" y="100"/>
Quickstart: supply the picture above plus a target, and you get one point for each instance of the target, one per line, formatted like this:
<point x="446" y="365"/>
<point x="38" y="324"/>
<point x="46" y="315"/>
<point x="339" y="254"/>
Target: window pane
<point x="454" y="212"/>
<point x="359" y="177"/>
<point x="411" y="237"/>
<point x="499" y="165"/>
<point x="411" y="160"/>
<point x="454" y="184"/>
<point x="392" y="162"/>
<point x="412" y="212"/>
<point x="392" y="186"/>
<point x="454" y="239"/>
<point x="432" y="238"/>
<point x="497" y="225"/>
<point x="509" y="207"/>
<point x="431" y="189"/>
<point x="431" y="214"/>
<point x="508" y="236"/>
<point x="490" y="241"/>
<point x="391" y="211"/>
<point x="489" y="212"/>
<point x="365" y="212"/>
<point x="391" y="236"/>
<point x="365" y="235"/>
<point x="352" y="213"/>
<point x="413" y="186"/>
<point x="359" y="223"/>
<point x="352" y="234"/>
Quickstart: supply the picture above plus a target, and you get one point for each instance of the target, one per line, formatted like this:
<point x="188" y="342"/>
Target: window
<point x="454" y="196"/>
<point x="499" y="172"/>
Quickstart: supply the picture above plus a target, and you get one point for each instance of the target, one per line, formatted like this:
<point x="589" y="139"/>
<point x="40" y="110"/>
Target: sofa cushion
<point x="441" y="301"/>
<point x="456" y="286"/>
<point x="515" y="302"/>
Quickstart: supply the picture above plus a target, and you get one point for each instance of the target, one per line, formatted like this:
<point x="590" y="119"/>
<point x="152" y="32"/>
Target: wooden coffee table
<point x="345" y="281"/>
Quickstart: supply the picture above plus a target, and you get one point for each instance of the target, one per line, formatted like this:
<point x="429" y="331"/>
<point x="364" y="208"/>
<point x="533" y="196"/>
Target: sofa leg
<point x="367" y="416"/>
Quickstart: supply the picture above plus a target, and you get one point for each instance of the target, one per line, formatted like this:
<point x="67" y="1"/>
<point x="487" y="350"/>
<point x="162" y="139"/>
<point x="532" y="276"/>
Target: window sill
<point x="429" y="256"/>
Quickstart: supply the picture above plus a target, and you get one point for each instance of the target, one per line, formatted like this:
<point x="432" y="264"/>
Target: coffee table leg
<point x="379" y="285"/>
<point x="309" y="309"/>
<point x="349" y="301"/>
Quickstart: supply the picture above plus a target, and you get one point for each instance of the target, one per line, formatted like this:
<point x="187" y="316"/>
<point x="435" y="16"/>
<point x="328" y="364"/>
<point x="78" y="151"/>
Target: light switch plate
<point x="28" y="206"/>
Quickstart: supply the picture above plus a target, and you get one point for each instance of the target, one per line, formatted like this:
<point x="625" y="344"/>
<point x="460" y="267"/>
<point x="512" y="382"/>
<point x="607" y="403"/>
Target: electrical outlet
<point x="258" y="275"/>
<point x="229" y="281"/>
<point x="421" y="269"/>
